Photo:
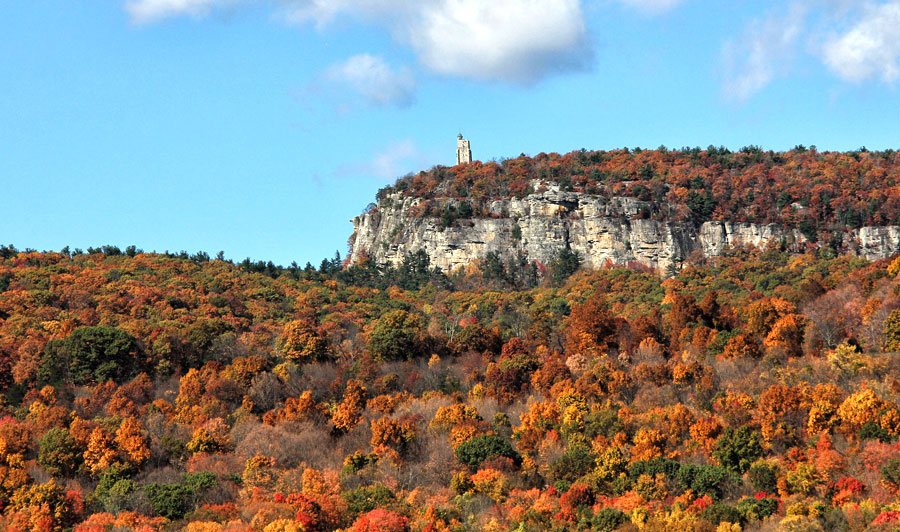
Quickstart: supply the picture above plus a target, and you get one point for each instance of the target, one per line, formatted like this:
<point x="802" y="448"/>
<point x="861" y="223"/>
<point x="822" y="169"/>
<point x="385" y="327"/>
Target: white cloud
<point x="763" y="52"/>
<point x="146" y="11"/>
<point x="870" y="49"/>
<point x="856" y="40"/>
<point x="373" y="79"/>
<point x="520" y="41"/>
<point x="652" y="7"/>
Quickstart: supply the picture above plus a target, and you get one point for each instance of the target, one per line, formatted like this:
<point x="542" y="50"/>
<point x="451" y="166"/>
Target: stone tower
<point x="463" y="150"/>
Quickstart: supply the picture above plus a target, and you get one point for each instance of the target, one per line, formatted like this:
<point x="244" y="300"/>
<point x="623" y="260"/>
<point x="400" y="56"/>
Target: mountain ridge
<point x="600" y="229"/>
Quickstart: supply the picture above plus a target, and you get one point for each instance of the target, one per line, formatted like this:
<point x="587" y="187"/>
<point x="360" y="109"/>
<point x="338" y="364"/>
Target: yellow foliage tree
<point x="782" y="412"/>
<point x="285" y="525"/>
<point x="448" y="416"/>
<point x="258" y="472"/>
<point x="860" y="408"/>
<point x="349" y="412"/>
<point x="100" y="453"/>
<point x="648" y="444"/>
<point x="826" y="398"/>
<point x="301" y="341"/>
<point x="799" y="523"/>
<point x="706" y="431"/>
<point x="491" y="483"/>
<point x="212" y="437"/>
<point x="14" y="440"/>
<point x="891" y="339"/>
<point x="761" y="315"/>
<point x="45" y="507"/>
<point x="397" y="434"/>
<point x="894" y="269"/>
<point x="313" y="482"/>
<point x="786" y="337"/>
<point x="611" y="464"/>
<point x="740" y="346"/>
<point x="541" y="417"/>
<point x="132" y="442"/>
<point x="845" y="360"/>
<point x="203" y="526"/>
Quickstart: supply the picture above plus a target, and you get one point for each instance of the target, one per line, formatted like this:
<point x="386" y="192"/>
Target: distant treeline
<point x="414" y="272"/>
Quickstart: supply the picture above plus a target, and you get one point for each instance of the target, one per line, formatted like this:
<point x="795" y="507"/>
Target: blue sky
<point x="261" y="127"/>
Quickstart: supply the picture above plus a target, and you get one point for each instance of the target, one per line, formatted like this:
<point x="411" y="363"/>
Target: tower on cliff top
<point x="463" y="150"/>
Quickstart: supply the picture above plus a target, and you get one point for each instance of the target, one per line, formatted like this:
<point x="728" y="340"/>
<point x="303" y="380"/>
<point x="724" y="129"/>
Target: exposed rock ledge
<point x="599" y="228"/>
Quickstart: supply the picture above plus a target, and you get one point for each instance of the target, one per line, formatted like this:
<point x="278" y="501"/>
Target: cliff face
<point x="600" y="229"/>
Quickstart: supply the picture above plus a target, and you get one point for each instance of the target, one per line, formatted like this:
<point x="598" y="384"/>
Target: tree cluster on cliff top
<point x="816" y="192"/>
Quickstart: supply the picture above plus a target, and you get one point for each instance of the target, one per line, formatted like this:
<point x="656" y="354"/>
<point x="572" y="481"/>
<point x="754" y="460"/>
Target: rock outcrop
<point x="601" y="229"/>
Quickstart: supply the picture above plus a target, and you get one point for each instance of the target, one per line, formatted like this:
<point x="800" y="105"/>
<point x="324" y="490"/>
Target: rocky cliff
<point x="601" y="229"/>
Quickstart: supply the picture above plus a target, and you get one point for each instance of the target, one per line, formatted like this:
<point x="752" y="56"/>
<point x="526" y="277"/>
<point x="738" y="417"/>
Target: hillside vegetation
<point x="816" y="192"/>
<point x="754" y="391"/>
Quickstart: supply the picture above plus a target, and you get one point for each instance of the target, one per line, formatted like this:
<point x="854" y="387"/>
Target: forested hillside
<point x="751" y="391"/>
<point x="816" y="192"/>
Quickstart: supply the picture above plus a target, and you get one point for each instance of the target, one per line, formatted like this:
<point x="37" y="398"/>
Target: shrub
<point x="738" y="449"/>
<point x="396" y="335"/>
<point x="356" y="462"/>
<point x="169" y="500"/>
<point x="485" y="446"/>
<point x="199" y="482"/>
<point x="90" y="355"/>
<point x="172" y="501"/>
<point x="110" y="476"/>
<point x="709" y="480"/>
<point x="367" y="498"/>
<point x="57" y="452"/>
<point x="577" y="461"/>
<point x="608" y="519"/>
<point x="873" y="431"/>
<point x="719" y="513"/>
<point x="763" y="476"/>
<point x="653" y="467"/>
<point x="890" y="474"/>
<point x="757" y="508"/>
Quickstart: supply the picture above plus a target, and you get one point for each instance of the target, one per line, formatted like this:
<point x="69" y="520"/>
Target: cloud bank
<point x="514" y="41"/>
<point x="855" y="41"/>
<point x="517" y="41"/>
<point x="870" y="48"/>
<point x="762" y="52"/>
<point x="520" y="41"/>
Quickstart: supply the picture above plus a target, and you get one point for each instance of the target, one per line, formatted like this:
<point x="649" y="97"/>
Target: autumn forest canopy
<point x="756" y="390"/>
<point x="816" y="192"/>
<point x="153" y="392"/>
